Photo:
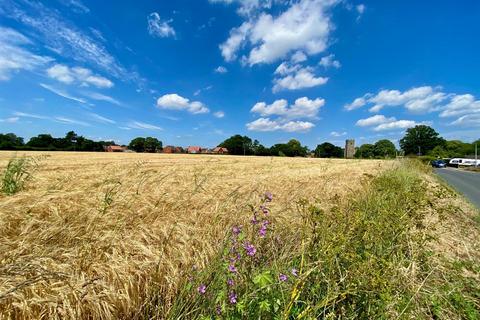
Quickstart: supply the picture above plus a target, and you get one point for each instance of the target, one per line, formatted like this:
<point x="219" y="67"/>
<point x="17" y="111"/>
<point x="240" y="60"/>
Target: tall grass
<point x="17" y="173"/>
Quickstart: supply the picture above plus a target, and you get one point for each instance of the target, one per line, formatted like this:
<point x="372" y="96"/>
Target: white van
<point x="464" y="162"/>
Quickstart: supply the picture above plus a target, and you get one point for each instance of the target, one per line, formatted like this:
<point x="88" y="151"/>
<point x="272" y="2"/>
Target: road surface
<point x="467" y="183"/>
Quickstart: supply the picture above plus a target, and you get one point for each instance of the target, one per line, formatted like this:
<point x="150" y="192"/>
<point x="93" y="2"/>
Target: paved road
<point x="464" y="182"/>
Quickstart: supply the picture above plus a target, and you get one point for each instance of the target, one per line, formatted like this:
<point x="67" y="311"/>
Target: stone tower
<point x="349" y="148"/>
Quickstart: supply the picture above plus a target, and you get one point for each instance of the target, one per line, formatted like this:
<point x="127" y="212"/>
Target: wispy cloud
<point x="66" y="120"/>
<point x="62" y="36"/>
<point x="29" y="115"/>
<point x="82" y="76"/>
<point x="10" y="120"/>
<point x="100" y="118"/>
<point x="102" y="97"/>
<point x="142" y="126"/>
<point x="158" y="27"/>
<point x="14" y="56"/>
<point x="61" y="93"/>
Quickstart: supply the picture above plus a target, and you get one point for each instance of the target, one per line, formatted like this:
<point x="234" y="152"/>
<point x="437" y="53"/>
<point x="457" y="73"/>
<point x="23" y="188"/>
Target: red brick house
<point x="115" y="149"/>
<point x="220" y="150"/>
<point x="194" y="149"/>
<point x="169" y="149"/>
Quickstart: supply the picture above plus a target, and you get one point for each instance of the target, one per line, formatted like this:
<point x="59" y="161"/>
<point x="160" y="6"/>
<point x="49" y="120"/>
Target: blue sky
<point x="195" y="72"/>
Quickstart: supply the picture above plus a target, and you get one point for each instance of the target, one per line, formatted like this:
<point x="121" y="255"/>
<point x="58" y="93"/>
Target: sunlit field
<point x="93" y="234"/>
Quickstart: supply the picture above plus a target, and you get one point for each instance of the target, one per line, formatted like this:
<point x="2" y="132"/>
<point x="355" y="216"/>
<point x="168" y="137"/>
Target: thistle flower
<point x="250" y="248"/>
<point x="268" y="196"/>
<point x="202" y="289"/>
<point x="230" y="282"/>
<point x="262" y="232"/>
<point x="232" y="296"/>
<point x="232" y="268"/>
<point x="283" y="277"/>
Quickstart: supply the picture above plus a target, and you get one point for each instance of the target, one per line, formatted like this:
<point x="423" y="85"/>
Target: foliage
<point x="239" y="145"/>
<point x="17" y="173"/>
<point x="384" y="149"/>
<point x="292" y="148"/>
<point x="365" y="151"/>
<point x="328" y="150"/>
<point x="71" y="142"/>
<point x="10" y="141"/>
<point x="421" y="139"/>
<point x="152" y="144"/>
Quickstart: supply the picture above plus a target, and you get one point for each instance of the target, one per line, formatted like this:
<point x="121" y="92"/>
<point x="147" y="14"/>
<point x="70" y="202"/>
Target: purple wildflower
<point x="232" y="296"/>
<point x="232" y="268"/>
<point x="230" y="282"/>
<point x="268" y="196"/>
<point x="250" y="248"/>
<point x="295" y="272"/>
<point x="263" y="231"/>
<point x="236" y="230"/>
<point x="264" y="209"/>
<point x="218" y="309"/>
<point x="202" y="289"/>
<point x="283" y="277"/>
<point x="254" y="220"/>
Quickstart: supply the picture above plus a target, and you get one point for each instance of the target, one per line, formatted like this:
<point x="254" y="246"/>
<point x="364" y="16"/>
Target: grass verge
<point x="372" y="258"/>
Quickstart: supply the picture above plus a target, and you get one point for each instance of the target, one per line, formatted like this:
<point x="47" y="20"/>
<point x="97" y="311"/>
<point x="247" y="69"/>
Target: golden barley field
<point x="93" y="233"/>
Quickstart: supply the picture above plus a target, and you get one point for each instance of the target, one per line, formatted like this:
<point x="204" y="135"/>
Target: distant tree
<point x="10" y="141"/>
<point x="384" y="149"/>
<point x="259" y="149"/>
<point x="152" y="144"/>
<point x="365" y="151"/>
<point x="42" y="141"/>
<point x="137" y="144"/>
<point x="238" y="145"/>
<point x="292" y="148"/>
<point x="421" y="139"/>
<point x="328" y="150"/>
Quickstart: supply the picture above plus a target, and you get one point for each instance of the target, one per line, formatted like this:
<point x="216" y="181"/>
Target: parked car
<point x="438" y="164"/>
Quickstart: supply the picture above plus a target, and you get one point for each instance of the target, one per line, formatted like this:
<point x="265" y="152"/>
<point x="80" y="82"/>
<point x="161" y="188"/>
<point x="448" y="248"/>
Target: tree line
<point x="419" y="140"/>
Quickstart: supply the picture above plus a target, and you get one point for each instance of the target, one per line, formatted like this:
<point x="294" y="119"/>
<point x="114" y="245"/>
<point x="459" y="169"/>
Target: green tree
<point x="10" y="141"/>
<point x="365" y="151"/>
<point x="328" y="150"/>
<point x="259" y="149"/>
<point x="152" y="144"/>
<point x="238" y="145"/>
<point x="42" y="141"/>
<point x="384" y="149"/>
<point x="420" y="140"/>
<point x="137" y="144"/>
<point x="292" y="148"/>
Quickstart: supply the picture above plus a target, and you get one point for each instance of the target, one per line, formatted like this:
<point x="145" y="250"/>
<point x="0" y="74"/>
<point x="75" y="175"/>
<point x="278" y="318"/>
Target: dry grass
<point x="94" y="233"/>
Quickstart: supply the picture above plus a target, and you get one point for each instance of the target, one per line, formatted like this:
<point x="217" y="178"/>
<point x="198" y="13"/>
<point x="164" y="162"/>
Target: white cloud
<point x="76" y="6"/>
<point x="460" y="105"/>
<point x="101" y="119"/>
<point x="399" y="124"/>
<point x="329" y="61"/>
<point x="61" y="93"/>
<point x="221" y="69"/>
<point x="141" y="126"/>
<point x="302" y="108"/>
<point x="265" y="124"/>
<point x="360" y="10"/>
<point x="338" y="134"/>
<point x="469" y="120"/>
<point x="29" y="115"/>
<point x="383" y="123"/>
<point x="299" y="56"/>
<point x="374" y="120"/>
<point x="295" y="77"/>
<point x="175" y="102"/>
<point x="14" y="56"/>
<point x="83" y="76"/>
<point x="102" y="97"/>
<point x="219" y="114"/>
<point x="420" y="99"/>
<point x="66" y="120"/>
<point x="247" y="7"/>
<point x="10" y="120"/>
<point x="159" y="28"/>
<point x="304" y="26"/>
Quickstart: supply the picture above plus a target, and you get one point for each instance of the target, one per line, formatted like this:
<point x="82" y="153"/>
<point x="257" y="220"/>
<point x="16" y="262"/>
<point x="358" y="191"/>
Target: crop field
<point x="93" y="234"/>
